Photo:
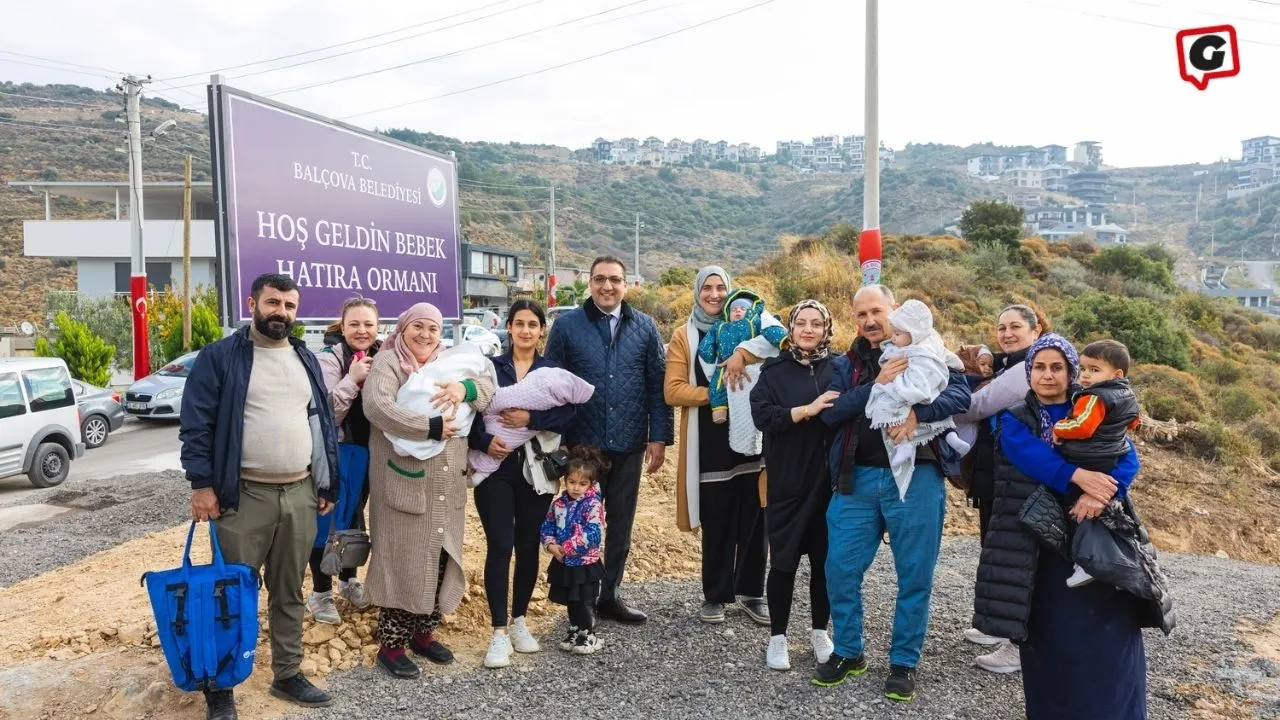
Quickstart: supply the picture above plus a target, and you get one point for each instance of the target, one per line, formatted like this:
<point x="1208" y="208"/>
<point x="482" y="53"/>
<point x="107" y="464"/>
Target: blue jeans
<point x="855" y="524"/>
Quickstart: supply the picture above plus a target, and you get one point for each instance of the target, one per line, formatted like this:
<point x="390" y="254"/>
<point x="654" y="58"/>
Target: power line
<point x="504" y="187"/>
<point x="96" y="132"/>
<point x="1202" y="12"/>
<point x="635" y="14"/>
<point x="51" y="100"/>
<point x="1130" y="20"/>
<point x="564" y="64"/>
<point x="95" y="68"/>
<point x="54" y="67"/>
<point x="338" y="45"/>
<point x="452" y="53"/>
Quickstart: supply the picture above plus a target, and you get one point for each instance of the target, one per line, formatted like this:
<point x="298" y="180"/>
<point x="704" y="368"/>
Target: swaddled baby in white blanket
<point x="541" y="389"/>
<point x="461" y="362"/>
<point x="924" y="379"/>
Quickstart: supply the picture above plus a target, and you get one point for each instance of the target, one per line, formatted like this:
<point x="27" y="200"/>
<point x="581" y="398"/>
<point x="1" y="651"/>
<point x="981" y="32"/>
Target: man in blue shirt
<point x="866" y="503"/>
<point x="617" y="349"/>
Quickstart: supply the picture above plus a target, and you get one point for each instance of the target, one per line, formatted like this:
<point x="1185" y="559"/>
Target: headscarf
<point x="823" y="348"/>
<point x="1053" y="341"/>
<point x="699" y="317"/>
<point x="421" y="311"/>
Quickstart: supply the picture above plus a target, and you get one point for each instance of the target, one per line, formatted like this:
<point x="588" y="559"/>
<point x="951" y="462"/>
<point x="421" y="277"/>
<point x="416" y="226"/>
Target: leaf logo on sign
<point x="437" y="188"/>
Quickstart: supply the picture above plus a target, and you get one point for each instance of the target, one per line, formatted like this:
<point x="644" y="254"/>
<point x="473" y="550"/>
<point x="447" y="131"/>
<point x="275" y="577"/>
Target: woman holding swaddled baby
<point x="511" y="508"/>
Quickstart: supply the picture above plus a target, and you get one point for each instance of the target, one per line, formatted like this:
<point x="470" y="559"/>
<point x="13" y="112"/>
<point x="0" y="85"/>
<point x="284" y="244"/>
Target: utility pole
<point x="131" y="86"/>
<point x="1199" y="191"/>
<point x="186" y="257"/>
<point x="637" y="248"/>
<point x="551" y="264"/>
<point x="869" y="248"/>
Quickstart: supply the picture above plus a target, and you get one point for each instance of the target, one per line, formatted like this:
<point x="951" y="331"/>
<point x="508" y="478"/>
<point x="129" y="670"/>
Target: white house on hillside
<point x="101" y="248"/>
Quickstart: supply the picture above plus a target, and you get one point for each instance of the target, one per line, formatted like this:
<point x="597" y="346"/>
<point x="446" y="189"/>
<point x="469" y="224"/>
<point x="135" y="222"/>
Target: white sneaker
<point x="322" y="608"/>
<point x="822" y="645"/>
<point x="353" y="592"/>
<point x="521" y="639"/>
<point x="1006" y="659"/>
<point x="566" y="644"/>
<point x="777" y="657"/>
<point x="499" y="653"/>
<point x="1079" y="578"/>
<point x="586" y="642"/>
<point x="977" y="637"/>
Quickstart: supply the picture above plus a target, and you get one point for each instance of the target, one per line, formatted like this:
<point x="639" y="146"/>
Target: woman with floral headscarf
<point x="785" y="404"/>
<point x="718" y="489"/>
<point x="1082" y="651"/>
<point x="417" y="508"/>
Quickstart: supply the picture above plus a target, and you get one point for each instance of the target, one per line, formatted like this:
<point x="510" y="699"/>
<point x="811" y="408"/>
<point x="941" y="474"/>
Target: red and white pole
<point x="869" y="250"/>
<point x="132" y="87"/>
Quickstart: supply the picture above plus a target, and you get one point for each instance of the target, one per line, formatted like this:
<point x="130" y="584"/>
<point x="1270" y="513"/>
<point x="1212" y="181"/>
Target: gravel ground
<point x="106" y="512"/>
<point x="676" y="667"/>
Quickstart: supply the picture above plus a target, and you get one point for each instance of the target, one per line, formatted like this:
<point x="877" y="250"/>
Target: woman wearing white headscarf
<point x="718" y="489"/>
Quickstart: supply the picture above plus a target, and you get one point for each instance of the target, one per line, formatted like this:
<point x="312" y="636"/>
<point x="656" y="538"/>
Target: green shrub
<point x="1200" y="311"/>
<point x="678" y="275"/>
<point x="204" y="330"/>
<point x="1131" y="263"/>
<point x="1068" y="277"/>
<point x="1220" y="372"/>
<point x="88" y="356"/>
<point x="1266" y="430"/>
<point x="1145" y="327"/>
<point x="43" y="349"/>
<point x="1204" y="441"/>
<point x="992" y="265"/>
<point x="1168" y="394"/>
<point x="1238" y="405"/>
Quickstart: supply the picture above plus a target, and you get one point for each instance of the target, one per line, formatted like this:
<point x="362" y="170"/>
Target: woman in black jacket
<point x="785" y="403"/>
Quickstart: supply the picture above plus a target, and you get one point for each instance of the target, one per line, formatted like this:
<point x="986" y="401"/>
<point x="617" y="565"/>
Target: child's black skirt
<point x="574" y="583"/>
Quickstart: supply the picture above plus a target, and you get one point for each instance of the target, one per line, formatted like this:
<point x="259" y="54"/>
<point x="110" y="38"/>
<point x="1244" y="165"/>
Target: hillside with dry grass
<point x="1211" y="440"/>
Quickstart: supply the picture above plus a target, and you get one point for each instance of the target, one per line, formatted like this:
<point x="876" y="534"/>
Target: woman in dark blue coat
<point x="1082" y="649"/>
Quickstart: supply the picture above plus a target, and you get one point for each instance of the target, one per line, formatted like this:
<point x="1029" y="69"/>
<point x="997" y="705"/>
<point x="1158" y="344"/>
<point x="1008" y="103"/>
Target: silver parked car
<point x="101" y="412"/>
<point x="159" y="395"/>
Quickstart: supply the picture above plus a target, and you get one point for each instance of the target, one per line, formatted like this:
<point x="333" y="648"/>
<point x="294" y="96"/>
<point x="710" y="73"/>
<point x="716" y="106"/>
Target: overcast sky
<point x="1007" y="71"/>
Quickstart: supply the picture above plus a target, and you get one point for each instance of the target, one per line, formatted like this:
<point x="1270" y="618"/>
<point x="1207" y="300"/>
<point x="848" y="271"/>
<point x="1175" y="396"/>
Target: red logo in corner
<point x="1208" y="53"/>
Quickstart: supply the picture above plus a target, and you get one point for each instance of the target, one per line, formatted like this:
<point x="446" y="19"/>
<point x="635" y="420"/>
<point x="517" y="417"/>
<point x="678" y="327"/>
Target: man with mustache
<point x="260" y="448"/>
<point x="866" y="503"/>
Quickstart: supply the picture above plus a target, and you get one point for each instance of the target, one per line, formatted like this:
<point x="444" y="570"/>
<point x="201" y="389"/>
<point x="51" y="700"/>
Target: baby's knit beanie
<point x="913" y="317"/>
<point x="743" y="303"/>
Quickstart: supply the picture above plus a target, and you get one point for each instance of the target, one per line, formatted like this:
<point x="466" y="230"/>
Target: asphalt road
<point x="137" y="447"/>
<point x="1261" y="273"/>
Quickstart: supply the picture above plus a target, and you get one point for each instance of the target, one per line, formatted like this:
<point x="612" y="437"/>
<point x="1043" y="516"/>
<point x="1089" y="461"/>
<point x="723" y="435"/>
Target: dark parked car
<point x="101" y="412"/>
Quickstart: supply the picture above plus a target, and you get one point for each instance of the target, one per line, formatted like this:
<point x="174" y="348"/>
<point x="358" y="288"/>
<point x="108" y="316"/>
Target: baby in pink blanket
<point x="541" y="389"/>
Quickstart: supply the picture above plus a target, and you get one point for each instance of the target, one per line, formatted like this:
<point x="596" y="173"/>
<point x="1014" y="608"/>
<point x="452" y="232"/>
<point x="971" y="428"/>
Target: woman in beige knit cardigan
<point x="416" y="507"/>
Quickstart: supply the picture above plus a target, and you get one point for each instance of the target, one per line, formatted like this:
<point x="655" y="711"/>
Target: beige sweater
<point x="277" y="435"/>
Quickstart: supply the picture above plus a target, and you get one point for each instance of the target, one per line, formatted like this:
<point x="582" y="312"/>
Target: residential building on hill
<point x="1091" y="186"/>
<point x="102" y="248"/>
<point x="832" y="153"/>
<point x="1259" y="164"/>
<point x="654" y="152"/>
<point x="1089" y="154"/>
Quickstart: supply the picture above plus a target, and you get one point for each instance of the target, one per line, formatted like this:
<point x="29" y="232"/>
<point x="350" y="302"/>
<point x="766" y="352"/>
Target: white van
<point x="39" y="420"/>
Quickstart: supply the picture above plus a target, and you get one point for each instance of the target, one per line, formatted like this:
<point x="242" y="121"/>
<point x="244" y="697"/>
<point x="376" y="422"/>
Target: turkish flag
<point x="551" y="290"/>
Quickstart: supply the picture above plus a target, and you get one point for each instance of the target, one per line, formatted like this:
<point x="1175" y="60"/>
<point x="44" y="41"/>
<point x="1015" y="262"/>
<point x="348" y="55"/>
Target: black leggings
<point x="582" y="616"/>
<point x="512" y="514"/>
<point x="782" y="585"/>
<point x="320" y="582"/>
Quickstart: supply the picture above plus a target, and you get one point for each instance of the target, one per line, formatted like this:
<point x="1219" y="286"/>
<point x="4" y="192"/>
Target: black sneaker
<point x="398" y="664"/>
<point x="837" y="668"/>
<point x="566" y="643"/>
<point x="220" y="705"/>
<point x="901" y="683"/>
<point x="300" y="691"/>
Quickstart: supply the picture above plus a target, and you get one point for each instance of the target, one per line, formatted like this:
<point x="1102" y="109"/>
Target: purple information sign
<point x="341" y="212"/>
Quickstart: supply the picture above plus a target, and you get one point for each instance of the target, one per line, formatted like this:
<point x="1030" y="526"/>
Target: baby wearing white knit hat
<point x="924" y="379"/>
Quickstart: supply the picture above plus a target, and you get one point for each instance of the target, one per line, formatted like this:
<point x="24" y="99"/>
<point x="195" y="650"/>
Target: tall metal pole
<point x="551" y="263"/>
<point x="869" y="249"/>
<point x="132" y="88"/>
<point x="186" y="257"/>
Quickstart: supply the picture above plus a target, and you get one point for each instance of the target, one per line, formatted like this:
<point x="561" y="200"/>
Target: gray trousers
<point x="275" y="526"/>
